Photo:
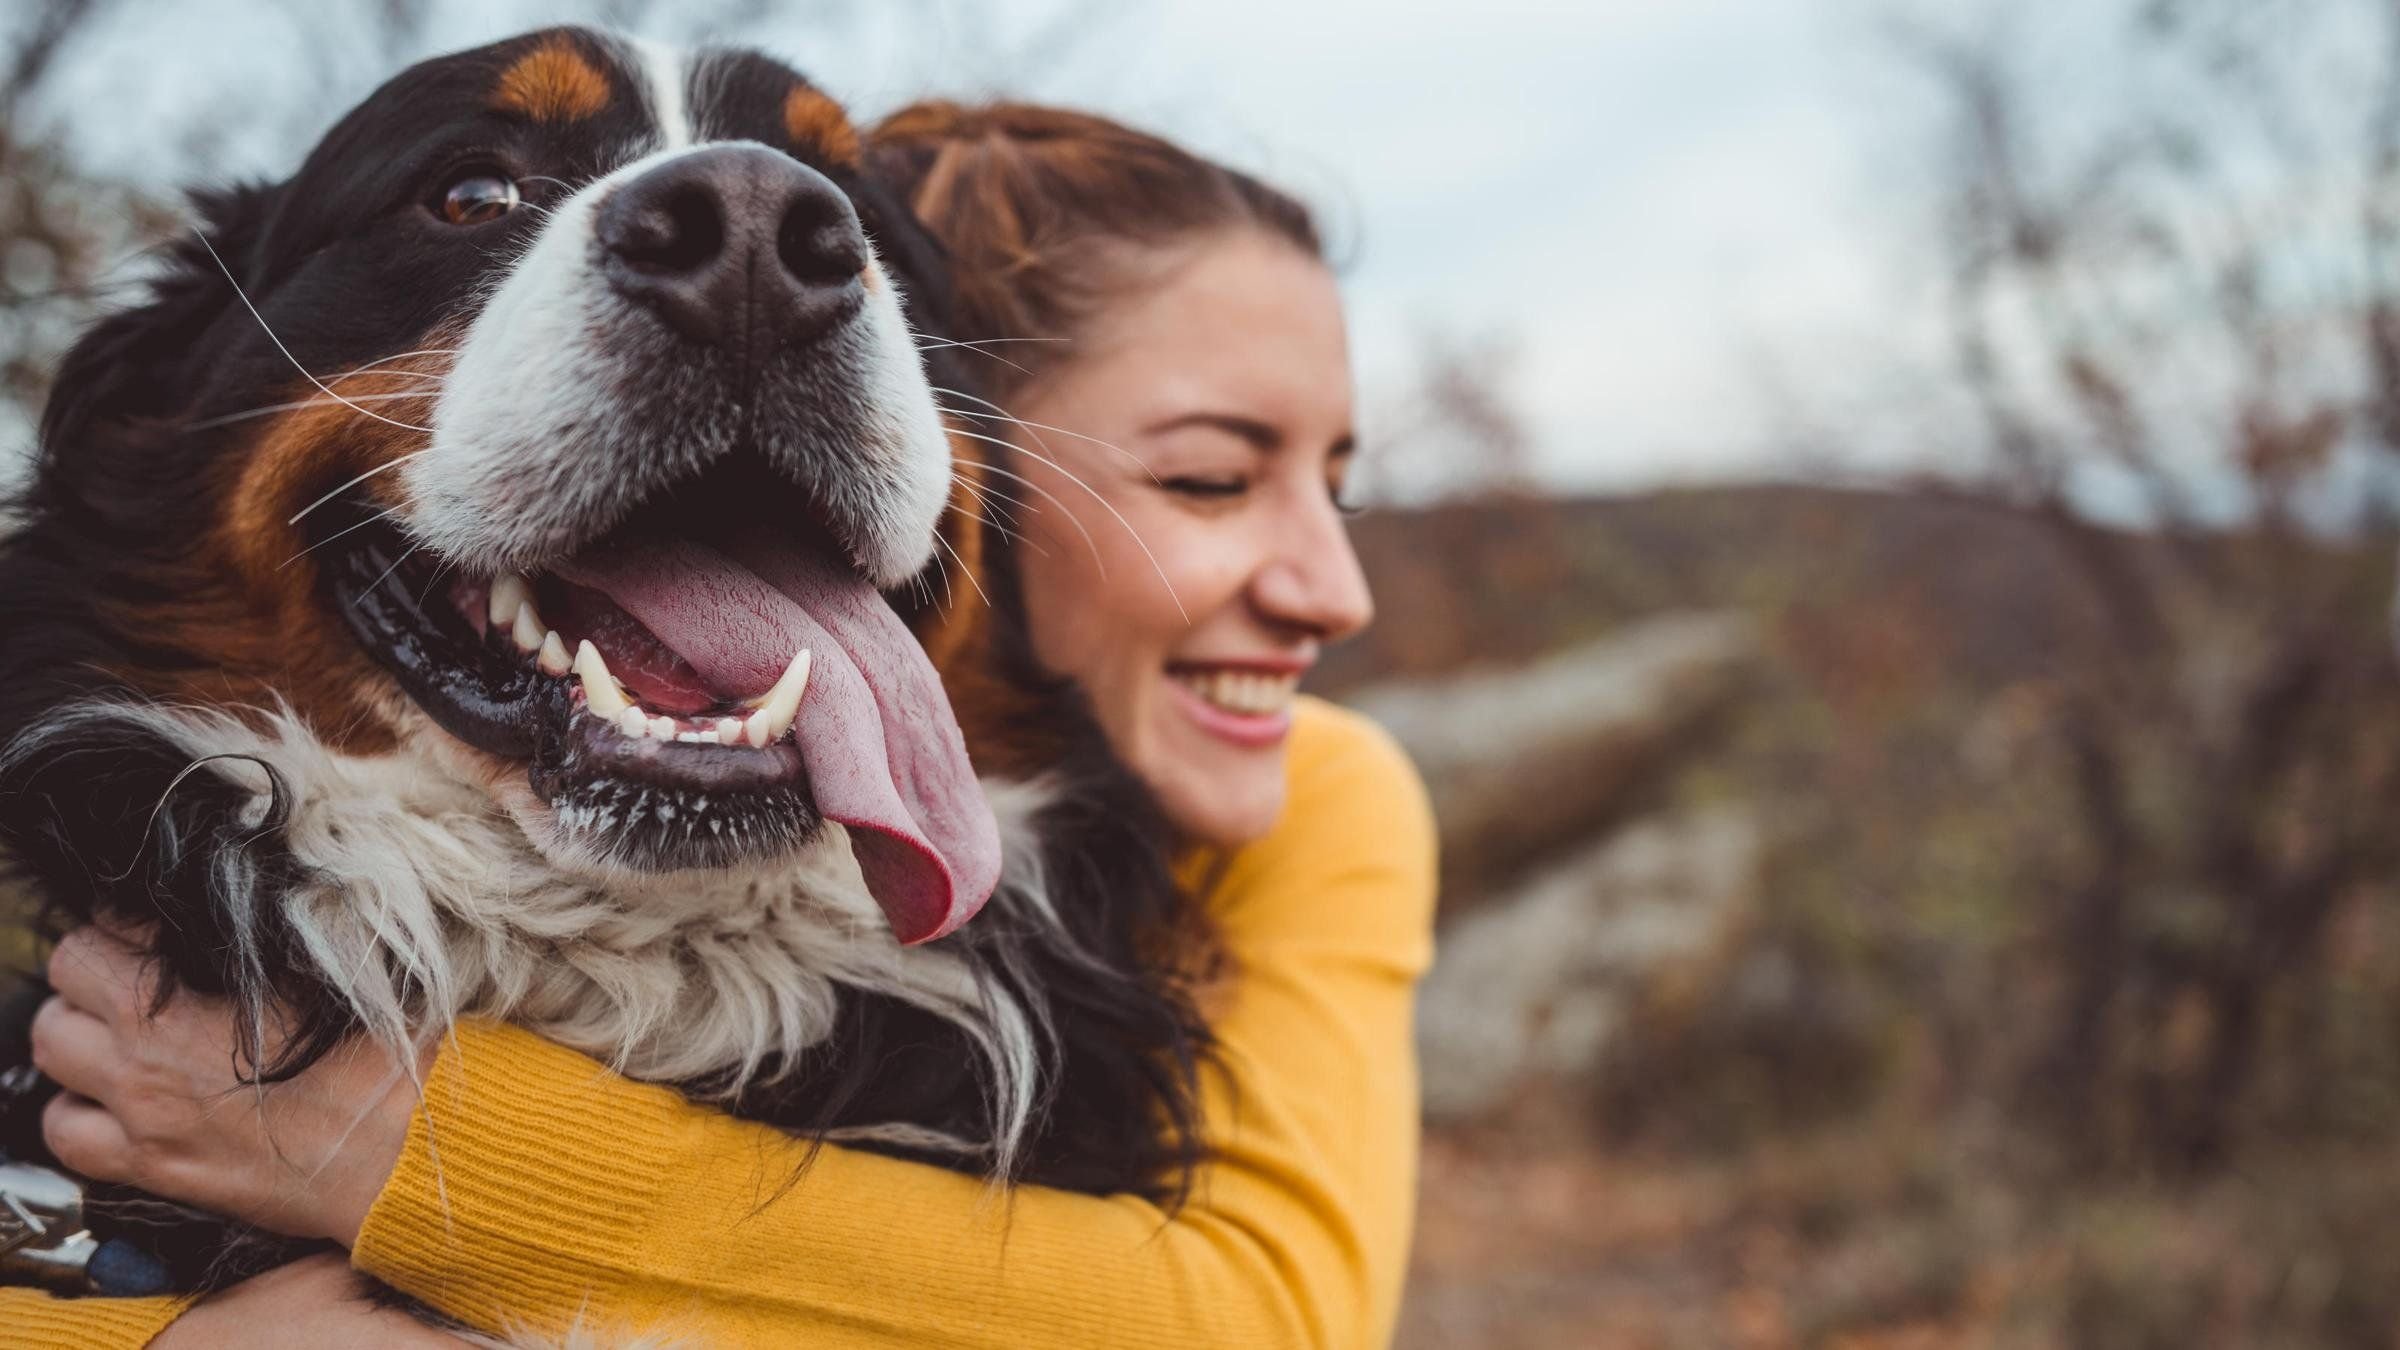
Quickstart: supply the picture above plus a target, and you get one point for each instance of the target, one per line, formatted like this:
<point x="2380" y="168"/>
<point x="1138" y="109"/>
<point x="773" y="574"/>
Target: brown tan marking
<point x="816" y="122"/>
<point x="245" y="607"/>
<point x="552" y="83"/>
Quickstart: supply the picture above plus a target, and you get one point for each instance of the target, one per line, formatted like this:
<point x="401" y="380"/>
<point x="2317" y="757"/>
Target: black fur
<point x="101" y="819"/>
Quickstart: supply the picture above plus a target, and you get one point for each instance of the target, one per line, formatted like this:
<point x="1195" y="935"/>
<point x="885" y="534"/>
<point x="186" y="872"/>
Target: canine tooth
<point x="755" y="731"/>
<point x="510" y="593"/>
<point x="527" y="630"/>
<point x="729" y="730"/>
<point x="554" y="659"/>
<point x="782" y="702"/>
<point x="662" y="728"/>
<point x="633" y="721"/>
<point x="599" y="687"/>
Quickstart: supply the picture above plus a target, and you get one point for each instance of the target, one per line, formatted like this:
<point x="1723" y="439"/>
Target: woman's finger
<point x="98" y="974"/>
<point x="86" y="1138"/>
<point x="75" y="1048"/>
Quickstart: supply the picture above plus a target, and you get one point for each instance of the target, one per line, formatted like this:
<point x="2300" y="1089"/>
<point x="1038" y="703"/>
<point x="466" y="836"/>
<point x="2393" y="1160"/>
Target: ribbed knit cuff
<point x="32" y="1320"/>
<point x="524" y="1189"/>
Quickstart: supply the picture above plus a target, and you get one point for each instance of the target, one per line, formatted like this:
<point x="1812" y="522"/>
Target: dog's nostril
<point x="819" y="241"/>
<point x="678" y="231"/>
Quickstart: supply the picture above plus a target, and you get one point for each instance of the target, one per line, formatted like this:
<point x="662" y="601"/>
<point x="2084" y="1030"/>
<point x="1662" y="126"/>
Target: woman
<point x="1173" y="356"/>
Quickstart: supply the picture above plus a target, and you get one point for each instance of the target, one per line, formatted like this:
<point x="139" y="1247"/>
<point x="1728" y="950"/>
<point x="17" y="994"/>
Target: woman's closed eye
<point x="1207" y="487"/>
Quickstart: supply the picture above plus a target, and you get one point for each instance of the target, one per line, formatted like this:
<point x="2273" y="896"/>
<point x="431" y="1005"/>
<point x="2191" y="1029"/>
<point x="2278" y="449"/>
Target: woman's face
<point x="1185" y="558"/>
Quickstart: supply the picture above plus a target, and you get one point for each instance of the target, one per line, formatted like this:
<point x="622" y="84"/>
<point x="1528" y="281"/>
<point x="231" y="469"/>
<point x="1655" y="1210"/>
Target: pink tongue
<point x="884" y="753"/>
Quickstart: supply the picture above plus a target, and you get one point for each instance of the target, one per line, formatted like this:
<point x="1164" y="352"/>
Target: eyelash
<point x="1207" y="489"/>
<point x="1228" y="489"/>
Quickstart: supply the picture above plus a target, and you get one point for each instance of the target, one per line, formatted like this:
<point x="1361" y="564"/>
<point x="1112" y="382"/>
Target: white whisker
<point x="440" y="570"/>
<point x="985" y="497"/>
<point x="1130" y="532"/>
<point x="938" y="343"/>
<point x="409" y="553"/>
<point x="949" y="595"/>
<point x="236" y="283"/>
<point x="335" y="535"/>
<point x="399" y="356"/>
<point x="1000" y="414"/>
<point x="985" y="342"/>
<point x="1001" y="519"/>
<point x="272" y="408"/>
<point x="388" y="464"/>
<point x="964" y="570"/>
<point x="1072" y="518"/>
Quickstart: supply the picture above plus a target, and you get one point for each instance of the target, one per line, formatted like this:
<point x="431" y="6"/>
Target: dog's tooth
<point x="527" y="630"/>
<point x="600" y="692"/>
<point x="510" y="593"/>
<point x="782" y="702"/>
<point x="662" y="728"/>
<point x="729" y="730"/>
<point x="755" y="732"/>
<point x="554" y="660"/>
<point x="633" y="721"/>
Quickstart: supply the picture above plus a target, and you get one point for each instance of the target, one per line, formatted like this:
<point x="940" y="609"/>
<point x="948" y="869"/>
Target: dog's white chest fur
<point x="424" y="903"/>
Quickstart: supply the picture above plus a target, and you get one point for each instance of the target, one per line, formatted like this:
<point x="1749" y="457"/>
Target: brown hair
<point x="1049" y="214"/>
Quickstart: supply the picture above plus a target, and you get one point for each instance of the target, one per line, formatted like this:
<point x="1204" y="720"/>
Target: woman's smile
<point x="1246" y="703"/>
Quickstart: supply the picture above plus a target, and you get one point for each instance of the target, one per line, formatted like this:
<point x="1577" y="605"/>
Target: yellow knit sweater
<point x="538" y="1192"/>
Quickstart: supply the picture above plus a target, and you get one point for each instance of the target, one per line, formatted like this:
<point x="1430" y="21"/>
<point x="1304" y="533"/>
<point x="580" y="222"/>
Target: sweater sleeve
<point x="538" y="1192"/>
<point x="33" y="1320"/>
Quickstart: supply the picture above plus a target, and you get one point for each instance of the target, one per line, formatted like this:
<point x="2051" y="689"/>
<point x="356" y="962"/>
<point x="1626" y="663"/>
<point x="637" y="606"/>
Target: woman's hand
<point x="157" y="1102"/>
<point x="308" y="1304"/>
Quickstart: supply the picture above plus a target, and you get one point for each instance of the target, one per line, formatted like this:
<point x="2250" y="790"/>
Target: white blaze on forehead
<point x="662" y="70"/>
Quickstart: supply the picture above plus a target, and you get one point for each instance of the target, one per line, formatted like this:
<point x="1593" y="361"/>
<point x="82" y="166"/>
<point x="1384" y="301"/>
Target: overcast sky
<point x="1670" y="207"/>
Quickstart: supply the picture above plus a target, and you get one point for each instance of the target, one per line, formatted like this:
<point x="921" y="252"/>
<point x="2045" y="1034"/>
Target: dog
<point x="519" y="567"/>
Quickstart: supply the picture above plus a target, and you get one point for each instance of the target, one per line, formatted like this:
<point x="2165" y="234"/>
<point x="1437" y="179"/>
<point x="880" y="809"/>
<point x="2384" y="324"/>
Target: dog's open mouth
<point x="704" y="686"/>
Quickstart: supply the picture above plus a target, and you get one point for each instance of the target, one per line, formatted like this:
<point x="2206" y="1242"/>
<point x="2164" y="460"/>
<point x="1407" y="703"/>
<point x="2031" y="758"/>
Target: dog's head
<point x="565" y="400"/>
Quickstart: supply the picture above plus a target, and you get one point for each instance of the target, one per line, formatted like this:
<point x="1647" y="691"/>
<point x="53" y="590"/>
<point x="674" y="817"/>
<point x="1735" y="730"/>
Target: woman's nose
<point x="1312" y="579"/>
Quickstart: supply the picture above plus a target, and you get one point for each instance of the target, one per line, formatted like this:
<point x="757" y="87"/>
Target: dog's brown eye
<point x="479" y="196"/>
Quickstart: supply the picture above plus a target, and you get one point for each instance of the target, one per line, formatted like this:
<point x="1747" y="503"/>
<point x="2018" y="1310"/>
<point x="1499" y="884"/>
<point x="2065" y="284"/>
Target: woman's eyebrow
<point x="1259" y="434"/>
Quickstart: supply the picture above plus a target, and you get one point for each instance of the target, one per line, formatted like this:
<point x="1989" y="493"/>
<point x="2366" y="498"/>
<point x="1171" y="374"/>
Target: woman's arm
<point x="537" y="1187"/>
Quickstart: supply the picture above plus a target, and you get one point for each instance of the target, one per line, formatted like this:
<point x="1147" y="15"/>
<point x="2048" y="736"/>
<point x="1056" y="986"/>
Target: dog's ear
<point x="143" y="362"/>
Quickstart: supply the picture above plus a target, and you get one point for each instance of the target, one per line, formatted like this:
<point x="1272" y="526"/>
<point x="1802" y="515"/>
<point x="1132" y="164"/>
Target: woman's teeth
<point x="511" y="609"/>
<point x="1248" y="692"/>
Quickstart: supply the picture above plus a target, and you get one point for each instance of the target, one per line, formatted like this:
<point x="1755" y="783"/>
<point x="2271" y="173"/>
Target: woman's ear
<point x="141" y="362"/>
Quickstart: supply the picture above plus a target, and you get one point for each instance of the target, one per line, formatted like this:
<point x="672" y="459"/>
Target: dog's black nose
<point x="736" y="246"/>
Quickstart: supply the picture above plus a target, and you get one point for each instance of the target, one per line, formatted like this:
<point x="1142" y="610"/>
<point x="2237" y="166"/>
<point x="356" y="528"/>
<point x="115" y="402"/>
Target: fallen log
<point x="1524" y="764"/>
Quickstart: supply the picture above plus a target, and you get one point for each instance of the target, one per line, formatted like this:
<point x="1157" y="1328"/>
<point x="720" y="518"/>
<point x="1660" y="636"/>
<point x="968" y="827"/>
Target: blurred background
<point x="1885" y="522"/>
